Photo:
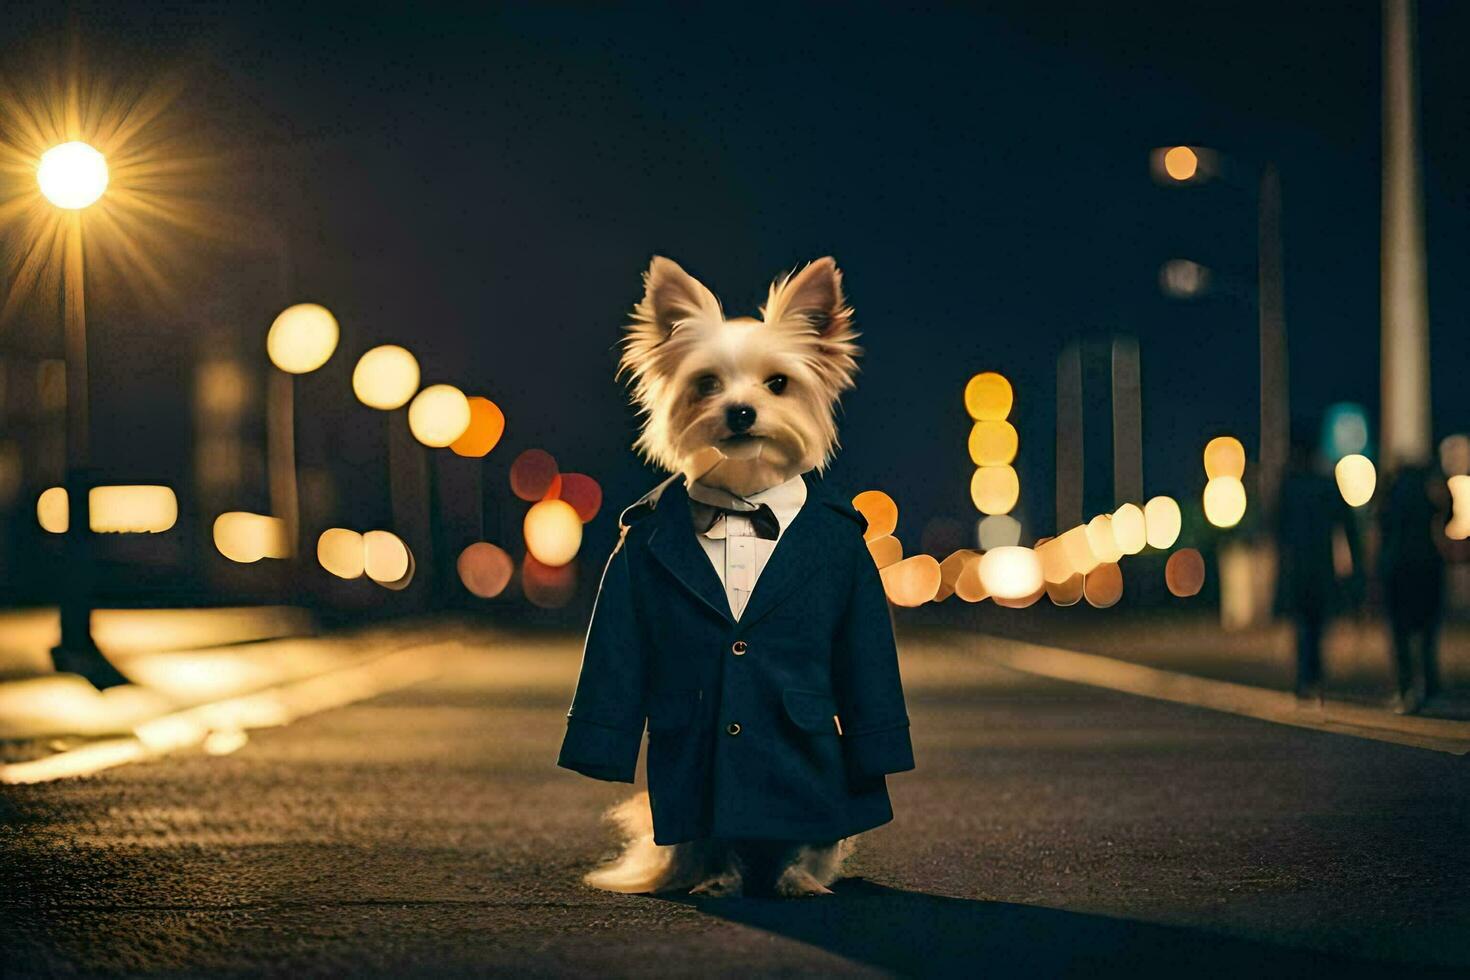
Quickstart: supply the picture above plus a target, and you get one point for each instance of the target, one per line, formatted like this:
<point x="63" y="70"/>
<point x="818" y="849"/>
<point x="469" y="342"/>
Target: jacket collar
<point x="675" y="545"/>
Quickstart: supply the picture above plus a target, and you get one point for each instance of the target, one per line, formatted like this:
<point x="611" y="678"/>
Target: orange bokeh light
<point x="583" y="493"/>
<point x="487" y="425"/>
<point x="485" y="569"/>
<point x="880" y="510"/>
<point x="532" y="474"/>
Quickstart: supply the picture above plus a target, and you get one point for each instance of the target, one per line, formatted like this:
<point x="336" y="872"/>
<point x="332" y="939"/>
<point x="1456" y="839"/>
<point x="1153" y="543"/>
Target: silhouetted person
<point x="1412" y="520"/>
<point x="1307" y="512"/>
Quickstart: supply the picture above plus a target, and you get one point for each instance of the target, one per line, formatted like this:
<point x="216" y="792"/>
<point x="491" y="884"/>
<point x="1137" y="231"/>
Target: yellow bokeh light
<point x="385" y="377"/>
<point x="988" y="397"/>
<point x="911" y="582"/>
<point x="1224" y="501"/>
<point x="1010" y="572"/>
<point x="1067" y="592"/>
<point x="132" y="509"/>
<point x="949" y="572"/>
<point x="52" y="510"/>
<point x="1103" y="586"/>
<point x="993" y="443"/>
<point x="1077" y="549"/>
<point x="439" y="415"/>
<point x="245" y="537"/>
<point x="340" y="551"/>
<point x="967" y="584"/>
<point x="1356" y="479"/>
<point x="1100" y="539"/>
<point x="1224" y="456"/>
<point x="879" y="510"/>
<point x="302" y="338"/>
<point x="72" y="175"/>
<point x="1130" y="529"/>
<point x="995" y="489"/>
<point x="1163" y="520"/>
<point x="384" y="557"/>
<point x="1181" y="163"/>
<point x="487" y="425"/>
<point x="1458" y="528"/>
<point x="553" y="532"/>
<point x="1055" y="566"/>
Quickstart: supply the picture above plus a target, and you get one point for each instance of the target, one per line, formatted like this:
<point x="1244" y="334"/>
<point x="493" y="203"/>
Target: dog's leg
<point x="812" y="867"/>
<point x="727" y="882"/>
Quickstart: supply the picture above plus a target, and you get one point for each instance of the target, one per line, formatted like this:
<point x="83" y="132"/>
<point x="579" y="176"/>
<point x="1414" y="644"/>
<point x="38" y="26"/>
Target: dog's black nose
<point x="739" y="418"/>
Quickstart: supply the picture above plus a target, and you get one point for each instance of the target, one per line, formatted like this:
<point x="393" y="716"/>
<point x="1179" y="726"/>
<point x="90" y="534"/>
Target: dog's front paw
<point x="798" y="882"/>
<point x="726" y="884"/>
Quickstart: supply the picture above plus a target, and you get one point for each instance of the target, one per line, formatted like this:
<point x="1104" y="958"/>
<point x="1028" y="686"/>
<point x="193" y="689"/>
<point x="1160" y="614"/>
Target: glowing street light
<point x="386" y="377"/>
<point x="72" y="175"/>
<point x="1181" y="163"/>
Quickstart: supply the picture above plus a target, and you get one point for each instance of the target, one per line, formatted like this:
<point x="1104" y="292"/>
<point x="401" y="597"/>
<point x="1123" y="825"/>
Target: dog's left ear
<point x="812" y="296"/>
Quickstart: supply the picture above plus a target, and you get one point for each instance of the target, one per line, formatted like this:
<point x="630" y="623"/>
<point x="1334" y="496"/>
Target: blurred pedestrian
<point x="1412" y="520"/>
<point x="1310" y="509"/>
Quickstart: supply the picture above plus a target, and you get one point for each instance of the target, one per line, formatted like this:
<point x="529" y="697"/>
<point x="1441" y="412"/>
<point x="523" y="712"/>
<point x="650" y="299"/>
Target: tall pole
<point x="1127" y="423"/>
<point x="1069" y="438"/>
<point x="1405" y="296"/>
<point x="1275" y="377"/>
<point x="77" y="652"/>
<point x="281" y="441"/>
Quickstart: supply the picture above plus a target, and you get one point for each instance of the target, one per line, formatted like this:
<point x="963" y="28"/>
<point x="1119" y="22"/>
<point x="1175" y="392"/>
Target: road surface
<point x="1049" y="830"/>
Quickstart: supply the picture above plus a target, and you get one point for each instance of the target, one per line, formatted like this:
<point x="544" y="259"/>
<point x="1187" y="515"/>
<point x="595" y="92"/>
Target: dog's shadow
<point x="912" y="933"/>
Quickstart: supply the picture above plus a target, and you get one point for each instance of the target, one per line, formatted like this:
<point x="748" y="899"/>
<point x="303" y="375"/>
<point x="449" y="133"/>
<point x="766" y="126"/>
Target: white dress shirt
<point x="738" y="553"/>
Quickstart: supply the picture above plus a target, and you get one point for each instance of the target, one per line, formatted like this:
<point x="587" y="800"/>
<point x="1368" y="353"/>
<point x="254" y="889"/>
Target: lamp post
<point x="301" y="339"/>
<point x="73" y="176"/>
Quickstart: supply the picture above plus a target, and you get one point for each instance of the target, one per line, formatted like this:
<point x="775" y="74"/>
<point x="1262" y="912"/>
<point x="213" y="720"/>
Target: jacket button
<point x="733" y="728"/>
<point x="738" y="648"/>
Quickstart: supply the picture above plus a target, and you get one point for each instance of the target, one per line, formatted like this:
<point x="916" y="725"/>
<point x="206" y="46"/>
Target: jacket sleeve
<point x="875" y="723"/>
<point x="605" y="724"/>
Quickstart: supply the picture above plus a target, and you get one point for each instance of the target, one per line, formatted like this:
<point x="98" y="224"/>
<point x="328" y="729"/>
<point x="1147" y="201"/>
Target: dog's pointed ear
<point x="670" y="297"/>
<point x="812" y="296"/>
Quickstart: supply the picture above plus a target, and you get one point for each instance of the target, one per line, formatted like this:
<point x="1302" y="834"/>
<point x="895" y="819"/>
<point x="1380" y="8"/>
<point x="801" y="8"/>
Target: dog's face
<point x="763" y="393"/>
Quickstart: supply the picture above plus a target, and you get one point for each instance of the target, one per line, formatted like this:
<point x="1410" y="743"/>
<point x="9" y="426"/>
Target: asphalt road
<point x="1049" y="830"/>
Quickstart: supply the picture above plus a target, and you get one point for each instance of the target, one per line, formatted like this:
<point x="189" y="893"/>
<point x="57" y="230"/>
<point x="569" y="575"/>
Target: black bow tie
<point x="708" y="504"/>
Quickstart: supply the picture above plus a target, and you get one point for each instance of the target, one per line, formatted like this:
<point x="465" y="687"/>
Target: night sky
<point x="486" y="187"/>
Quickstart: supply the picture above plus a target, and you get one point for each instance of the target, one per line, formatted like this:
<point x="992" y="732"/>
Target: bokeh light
<point x="385" y="557"/>
<point x="1055" y="565"/>
<point x="53" y="510"/>
<point x="1356" y="479"/>
<point x="1130" y="529"/>
<point x="993" y="443"/>
<point x="995" y="489"/>
<point x="950" y="569"/>
<point x="1101" y="540"/>
<point x="302" y="338"/>
<point x="487" y="425"/>
<point x="1077" y="548"/>
<point x="72" y="175"/>
<point x="1458" y="528"/>
<point x="135" y="509"/>
<point x="911" y="582"/>
<point x="1184" y="572"/>
<point x="1103" y="586"/>
<point x="582" y="492"/>
<point x="548" y="586"/>
<point x="998" y="531"/>
<point x="968" y="585"/>
<point x="245" y="537"/>
<point x="1224" y="501"/>
<point x="553" y="532"/>
<point x="1184" y="278"/>
<point x="386" y="377"/>
<point x="1181" y="163"/>
<point x="988" y="397"/>
<point x="1454" y="455"/>
<point x="886" y="551"/>
<point x="1067" y="592"/>
<point x="1010" y="572"/>
<point x="880" y="512"/>
<point x="1023" y="601"/>
<point x="1344" y="430"/>
<point x="340" y="551"/>
<point x="485" y="569"/>
<point x="532" y="474"/>
<point x="1162" y="518"/>
<point x="1224" y="456"/>
<point x="438" y="415"/>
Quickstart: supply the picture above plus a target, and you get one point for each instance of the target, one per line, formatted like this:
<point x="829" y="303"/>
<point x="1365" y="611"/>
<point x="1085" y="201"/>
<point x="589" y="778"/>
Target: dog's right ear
<point x="671" y="297"/>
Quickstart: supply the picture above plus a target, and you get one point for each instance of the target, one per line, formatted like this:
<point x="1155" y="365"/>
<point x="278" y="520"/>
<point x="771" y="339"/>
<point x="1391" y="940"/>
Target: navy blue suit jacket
<point x="780" y="726"/>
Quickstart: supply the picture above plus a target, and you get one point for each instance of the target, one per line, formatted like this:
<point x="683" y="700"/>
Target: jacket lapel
<point x="674" y="544"/>
<point x="792" y="561"/>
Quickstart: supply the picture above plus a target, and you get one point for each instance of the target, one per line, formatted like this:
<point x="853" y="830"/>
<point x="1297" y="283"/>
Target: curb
<point x="1279" y="707"/>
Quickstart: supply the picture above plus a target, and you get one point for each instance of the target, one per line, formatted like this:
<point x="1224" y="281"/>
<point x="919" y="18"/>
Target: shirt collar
<point x="784" y="499"/>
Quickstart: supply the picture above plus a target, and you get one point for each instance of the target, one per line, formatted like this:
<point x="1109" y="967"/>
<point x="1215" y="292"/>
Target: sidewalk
<point x="54" y="725"/>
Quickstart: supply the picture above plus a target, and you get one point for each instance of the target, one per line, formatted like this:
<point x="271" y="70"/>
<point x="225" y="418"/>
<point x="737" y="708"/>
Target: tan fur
<point x="679" y="333"/>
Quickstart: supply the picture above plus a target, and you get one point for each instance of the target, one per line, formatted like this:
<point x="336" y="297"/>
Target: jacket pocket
<point x="811" y="711"/>
<point x="670" y="711"/>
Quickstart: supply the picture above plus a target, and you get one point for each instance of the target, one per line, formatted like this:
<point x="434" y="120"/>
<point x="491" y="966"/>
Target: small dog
<point x="773" y="803"/>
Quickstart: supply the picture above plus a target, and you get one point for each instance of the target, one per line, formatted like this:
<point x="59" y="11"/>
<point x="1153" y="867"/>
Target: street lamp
<point x="73" y="176"/>
<point x="301" y="339"/>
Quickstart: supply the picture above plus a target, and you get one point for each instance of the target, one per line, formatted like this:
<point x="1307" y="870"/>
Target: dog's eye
<point x="706" y="385"/>
<point x="777" y="383"/>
